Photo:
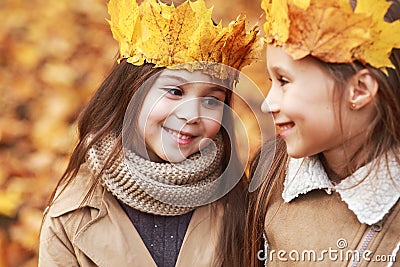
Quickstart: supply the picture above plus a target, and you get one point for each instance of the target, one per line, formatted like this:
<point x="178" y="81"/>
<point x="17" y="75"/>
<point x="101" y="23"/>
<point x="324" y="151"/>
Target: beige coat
<point x="316" y="222"/>
<point x="312" y="222"/>
<point x="101" y="234"/>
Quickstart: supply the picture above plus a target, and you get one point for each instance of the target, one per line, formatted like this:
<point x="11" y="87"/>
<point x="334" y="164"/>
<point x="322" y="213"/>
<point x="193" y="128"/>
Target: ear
<point x="362" y="89"/>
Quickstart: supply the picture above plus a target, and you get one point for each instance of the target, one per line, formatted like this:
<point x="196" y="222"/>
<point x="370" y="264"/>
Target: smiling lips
<point x="181" y="137"/>
<point x="284" y="128"/>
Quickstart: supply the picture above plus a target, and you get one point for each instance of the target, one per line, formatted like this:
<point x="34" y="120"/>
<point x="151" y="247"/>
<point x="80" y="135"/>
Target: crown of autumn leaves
<point x="332" y="31"/>
<point x="181" y="37"/>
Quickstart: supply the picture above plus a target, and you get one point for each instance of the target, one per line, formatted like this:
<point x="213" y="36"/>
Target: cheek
<point x="148" y="124"/>
<point x="211" y="127"/>
<point x="291" y="101"/>
<point x="294" y="109"/>
<point x="211" y="130"/>
<point x="308" y="107"/>
<point x="151" y="114"/>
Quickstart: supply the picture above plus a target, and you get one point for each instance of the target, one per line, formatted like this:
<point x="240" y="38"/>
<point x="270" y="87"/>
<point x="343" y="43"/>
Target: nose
<point x="271" y="104"/>
<point x="189" y="111"/>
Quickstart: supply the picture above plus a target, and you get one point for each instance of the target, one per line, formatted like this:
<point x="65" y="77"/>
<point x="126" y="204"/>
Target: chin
<point x="296" y="156"/>
<point x="295" y="153"/>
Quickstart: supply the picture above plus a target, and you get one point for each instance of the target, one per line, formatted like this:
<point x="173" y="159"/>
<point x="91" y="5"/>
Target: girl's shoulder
<point x="75" y="195"/>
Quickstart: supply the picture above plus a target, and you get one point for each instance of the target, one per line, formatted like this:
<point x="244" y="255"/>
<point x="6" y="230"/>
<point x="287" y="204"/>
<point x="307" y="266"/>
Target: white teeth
<point x="285" y="127"/>
<point x="178" y="135"/>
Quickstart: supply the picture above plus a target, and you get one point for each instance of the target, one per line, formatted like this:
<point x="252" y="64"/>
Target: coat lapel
<point x="108" y="239"/>
<point x="199" y="247"/>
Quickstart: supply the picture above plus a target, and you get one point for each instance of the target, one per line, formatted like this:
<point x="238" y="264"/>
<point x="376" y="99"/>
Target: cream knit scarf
<point x="159" y="188"/>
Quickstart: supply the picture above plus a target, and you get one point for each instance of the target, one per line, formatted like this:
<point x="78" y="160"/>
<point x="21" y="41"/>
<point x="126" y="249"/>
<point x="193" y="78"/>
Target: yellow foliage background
<point x="53" y="56"/>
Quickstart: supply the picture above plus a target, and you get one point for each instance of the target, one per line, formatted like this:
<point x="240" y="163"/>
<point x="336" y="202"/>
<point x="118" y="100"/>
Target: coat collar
<point x="71" y="197"/>
<point x="110" y="230"/>
<point x="370" y="193"/>
<point x="94" y="238"/>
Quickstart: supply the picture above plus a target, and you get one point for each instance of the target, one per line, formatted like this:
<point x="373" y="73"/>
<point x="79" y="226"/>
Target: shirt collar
<point x="370" y="198"/>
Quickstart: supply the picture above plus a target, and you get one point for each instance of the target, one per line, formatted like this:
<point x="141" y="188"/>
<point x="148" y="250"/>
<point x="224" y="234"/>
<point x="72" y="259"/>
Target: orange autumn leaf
<point x="235" y="44"/>
<point x="277" y="21"/>
<point x="277" y="18"/>
<point x="328" y="30"/>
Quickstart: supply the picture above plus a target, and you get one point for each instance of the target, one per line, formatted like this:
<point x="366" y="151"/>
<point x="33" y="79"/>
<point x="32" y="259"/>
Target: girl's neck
<point x="341" y="169"/>
<point x="336" y="171"/>
<point x="343" y="160"/>
<point x="341" y="164"/>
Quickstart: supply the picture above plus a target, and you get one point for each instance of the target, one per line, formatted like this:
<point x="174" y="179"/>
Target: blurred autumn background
<point x="53" y="56"/>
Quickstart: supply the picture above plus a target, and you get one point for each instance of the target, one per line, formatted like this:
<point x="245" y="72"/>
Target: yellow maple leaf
<point x="384" y="35"/>
<point x="167" y="25"/>
<point x="171" y="36"/>
<point x="124" y="24"/>
<point x="328" y="30"/>
<point x="201" y="48"/>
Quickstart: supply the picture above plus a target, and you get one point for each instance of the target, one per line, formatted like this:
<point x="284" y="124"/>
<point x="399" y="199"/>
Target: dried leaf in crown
<point x="384" y="35"/>
<point x="168" y="36"/>
<point x="331" y="30"/>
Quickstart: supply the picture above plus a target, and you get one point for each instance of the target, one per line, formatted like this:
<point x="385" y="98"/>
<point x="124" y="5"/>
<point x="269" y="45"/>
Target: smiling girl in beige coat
<point x="154" y="179"/>
<point x="332" y="195"/>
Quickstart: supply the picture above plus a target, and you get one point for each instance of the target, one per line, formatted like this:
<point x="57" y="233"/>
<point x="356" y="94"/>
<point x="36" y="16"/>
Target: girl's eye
<point x="282" y="81"/>
<point x="174" y="91"/>
<point x="211" y="102"/>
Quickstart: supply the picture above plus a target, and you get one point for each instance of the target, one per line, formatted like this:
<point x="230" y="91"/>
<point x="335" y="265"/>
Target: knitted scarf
<point x="159" y="188"/>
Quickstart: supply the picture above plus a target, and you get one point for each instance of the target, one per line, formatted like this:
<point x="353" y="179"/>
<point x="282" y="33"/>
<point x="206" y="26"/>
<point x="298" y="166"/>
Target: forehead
<point x="280" y="61"/>
<point x="277" y="57"/>
<point x="185" y="76"/>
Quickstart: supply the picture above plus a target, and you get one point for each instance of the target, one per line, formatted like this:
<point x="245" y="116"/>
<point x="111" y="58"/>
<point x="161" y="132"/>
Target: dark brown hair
<point x="382" y="136"/>
<point x="104" y="114"/>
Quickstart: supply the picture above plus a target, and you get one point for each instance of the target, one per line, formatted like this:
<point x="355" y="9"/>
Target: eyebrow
<point x="218" y="88"/>
<point x="278" y="69"/>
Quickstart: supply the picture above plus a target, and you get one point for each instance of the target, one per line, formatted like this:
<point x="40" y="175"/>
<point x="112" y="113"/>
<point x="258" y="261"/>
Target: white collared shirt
<point x="370" y="195"/>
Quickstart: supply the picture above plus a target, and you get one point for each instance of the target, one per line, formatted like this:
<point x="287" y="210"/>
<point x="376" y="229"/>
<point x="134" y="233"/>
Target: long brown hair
<point x="104" y="114"/>
<point x="382" y="136"/>
<point x="259" y="199"/>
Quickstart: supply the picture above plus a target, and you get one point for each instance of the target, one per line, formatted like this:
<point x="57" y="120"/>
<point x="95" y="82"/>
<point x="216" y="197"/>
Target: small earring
<point x="353" y="105"/>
